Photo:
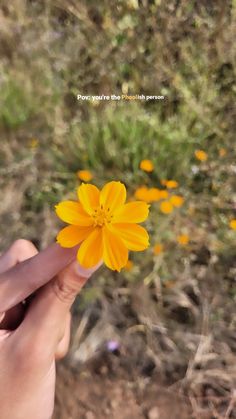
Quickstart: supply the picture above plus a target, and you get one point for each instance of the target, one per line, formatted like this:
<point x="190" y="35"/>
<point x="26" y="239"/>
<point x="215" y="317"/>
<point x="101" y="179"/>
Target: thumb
<point x="46" y="318"/>
<point x="26" y="277"/>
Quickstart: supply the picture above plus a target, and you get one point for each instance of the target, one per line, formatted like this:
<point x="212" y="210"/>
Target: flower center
<point x="101" y="216"/>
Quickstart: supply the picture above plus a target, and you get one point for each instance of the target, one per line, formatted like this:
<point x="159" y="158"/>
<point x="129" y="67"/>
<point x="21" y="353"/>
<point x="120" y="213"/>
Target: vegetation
<point x="181" y="292"/>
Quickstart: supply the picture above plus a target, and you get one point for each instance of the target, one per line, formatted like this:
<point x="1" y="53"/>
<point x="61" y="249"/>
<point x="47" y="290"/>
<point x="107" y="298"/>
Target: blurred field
<point x="172" y="311"/>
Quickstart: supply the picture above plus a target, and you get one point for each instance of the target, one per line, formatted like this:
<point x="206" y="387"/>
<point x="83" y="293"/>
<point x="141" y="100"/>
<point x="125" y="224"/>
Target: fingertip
<point x="86" y="272"/>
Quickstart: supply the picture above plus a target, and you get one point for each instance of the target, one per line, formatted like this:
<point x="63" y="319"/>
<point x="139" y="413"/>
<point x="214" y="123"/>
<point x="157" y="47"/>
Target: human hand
<point x="33" y="335"/>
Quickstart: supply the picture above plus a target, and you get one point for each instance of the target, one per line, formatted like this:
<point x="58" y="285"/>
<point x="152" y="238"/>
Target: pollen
<point x="102" y="216"/>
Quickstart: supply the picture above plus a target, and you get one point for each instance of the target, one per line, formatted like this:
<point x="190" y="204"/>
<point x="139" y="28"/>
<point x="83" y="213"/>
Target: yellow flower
<point x="222" y="152"/>
<point x="142" y="193"/>
<point x="177" y="200"/>
<point x="164" y="182"/>
<point x="147" y="194"/>
<point x="232" y="224"/>
<point x="34" y="143"/>
<point x="84" y="175"/>
<point x="166" y="207"/>
<point x="164" y="194"/>
<point x="183" y="239"/>
<point x="154" y="194"/>
<point x="157" y="249"/>
<point x="146" y="165"/>
<point x="105" y="226"/>
<point x="129" y="265"/>
<point x="172" y="184"/>
<point x="201" y="155"/>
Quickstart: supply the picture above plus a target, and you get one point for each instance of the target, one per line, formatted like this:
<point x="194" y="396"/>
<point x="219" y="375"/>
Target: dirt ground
<point x="90" y="396"/>
<point x="106" y="387"/>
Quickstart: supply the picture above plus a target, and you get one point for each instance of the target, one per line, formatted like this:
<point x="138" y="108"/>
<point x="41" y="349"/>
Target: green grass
<point x="184" y="51"/>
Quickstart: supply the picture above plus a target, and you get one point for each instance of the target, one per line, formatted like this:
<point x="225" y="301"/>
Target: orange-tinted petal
<point x="90" y="251"/>
<point x="232" y="224"/>
<point x="88" y="195"/>
<point x="201" y="155"/>
<point x="70" y="236"/>
<point x="73" y="213"/>
<point x="133" y="212"/>
<point x="183" y="239"/>
<point x="158" y="248"/>
<point x="172" y="184"/>
<point x="166" y="207"/>
<point x="113" y="195"/>
<point x="142" y="193"/>
<point x="177" y="200"/>
<point x="84" y="175"/>
<point x="146" y="165"/>
<point x="115" y="254"/>
<point x="134" y="236"/>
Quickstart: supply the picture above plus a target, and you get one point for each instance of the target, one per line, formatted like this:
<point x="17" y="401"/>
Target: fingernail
<point x="2" y="315"/>
<point x="86" y="273"/>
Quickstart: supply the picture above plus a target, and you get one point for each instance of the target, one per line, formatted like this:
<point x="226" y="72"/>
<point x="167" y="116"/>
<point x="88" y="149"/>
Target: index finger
<point x="26" y="277"/>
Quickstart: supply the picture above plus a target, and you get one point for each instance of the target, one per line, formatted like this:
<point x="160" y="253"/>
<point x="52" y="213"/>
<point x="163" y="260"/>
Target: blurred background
<point x="158" y="340"/>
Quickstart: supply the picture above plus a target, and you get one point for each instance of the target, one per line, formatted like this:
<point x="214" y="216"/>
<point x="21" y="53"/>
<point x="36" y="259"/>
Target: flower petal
<point x="90" y="251"/>
<point x="133" y="212"/>
<point x="88" y="195"/>
<point x="70" y="236"/>
<point x="115" y="254"/>
<point x="134" y="236"/>
<point x="73" y="213"/>
<point x="113" y="195"/>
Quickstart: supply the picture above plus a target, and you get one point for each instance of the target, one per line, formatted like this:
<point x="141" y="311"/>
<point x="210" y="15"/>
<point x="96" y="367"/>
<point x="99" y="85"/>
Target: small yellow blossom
<point x="177" y="200"/>
<point x="142" y="193"/>
<point x="103" y="224"/>
<point x="183" y="239"/>
<point x="222" y="152"/>
<point x="166" y="207"/>
<point x="147" y="194"/>
<point x="157" y="249"/>
<point x="129" y="265"/>
<point x="146" y="165"/>
<point x="34" y="143"/>
<point x="201" y="155"/>
<point x="172" y="184"/>
<point x="164" y="194"/>
<point x="84" y="175"/>
<point x="164" y="182"/>
<point x="154" y="194"/>
<point x="232" y="224"/>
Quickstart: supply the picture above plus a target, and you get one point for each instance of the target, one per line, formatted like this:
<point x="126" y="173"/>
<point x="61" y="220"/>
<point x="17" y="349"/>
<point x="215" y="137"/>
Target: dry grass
<point x="175" y="311"/>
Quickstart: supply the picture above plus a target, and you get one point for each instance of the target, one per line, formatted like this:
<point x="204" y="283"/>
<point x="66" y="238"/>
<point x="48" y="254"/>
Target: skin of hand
<point x="37" y="291"/>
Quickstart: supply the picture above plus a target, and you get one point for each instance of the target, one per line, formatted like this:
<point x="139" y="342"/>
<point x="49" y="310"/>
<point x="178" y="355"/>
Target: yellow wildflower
<point x="146" y="165"/>
<point x="177" y="200"/>
<point x="164" y="194"/>
<point x="222" y="152"/>
<point x="105" y="227"/>
<point x="201" y="155"/>
<point x="183" y="239"/>
<point x="154" y="194"/>
<point x="142" y="193"/>
<point x="34" y="143"/>
<point x="84" y="175"/>
<point x="147" y="194"/>
<point x="172" y="184"/>
<point x="232" y="224"/>
<point x="157" y="249"/>
<point x="166" y="207"/>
